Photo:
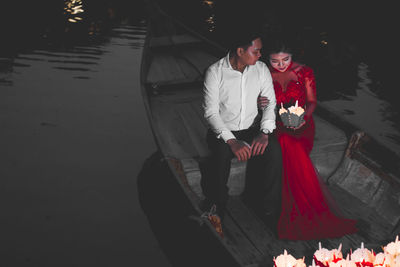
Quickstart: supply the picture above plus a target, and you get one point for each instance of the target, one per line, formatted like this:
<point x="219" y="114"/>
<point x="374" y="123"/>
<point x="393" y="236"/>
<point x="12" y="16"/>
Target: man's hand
<point x="259" y="144"/>
<point x="240" y="149"/>
<point x="262" y="102"/>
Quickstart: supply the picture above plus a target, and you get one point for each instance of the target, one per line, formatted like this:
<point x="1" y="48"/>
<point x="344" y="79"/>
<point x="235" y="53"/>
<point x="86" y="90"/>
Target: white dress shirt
<point x="230" y="98"/>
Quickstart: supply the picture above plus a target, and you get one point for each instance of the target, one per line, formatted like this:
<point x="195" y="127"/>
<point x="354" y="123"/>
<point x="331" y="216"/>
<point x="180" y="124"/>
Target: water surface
<point x="74" y="135"/>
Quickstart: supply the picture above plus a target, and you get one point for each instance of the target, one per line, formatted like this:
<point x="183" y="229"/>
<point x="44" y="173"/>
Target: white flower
<point x="323" y="255"/>
<point x="285" y="260"/>
<point x="296" y="109"/>
<point x="362" y="254"/>
<point x="393" y="248"/>
<point x="383" y="259"/>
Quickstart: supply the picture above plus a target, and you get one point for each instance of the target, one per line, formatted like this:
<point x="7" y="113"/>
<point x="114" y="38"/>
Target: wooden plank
<point x="328" y="134"/>
<point x="160" y="41"/>
<point x="261" y="236"/>
<point x="190" y="72"/>
<point x="201" y="59"/>
<point x="252" y="227"/>
<point x="185" y="39"/>
<point x="199" y="110"/>
<point x="164" y="68"/>
<point x="173" y="136"/>
<point x="196" y="130"/>
<point x="372" y="227"/>
<point x="166" y="139"/>
<point x="329" y="147"/>
<point x="193" y="176"/>
<point x="238" y="242"/>
<point x="373" y="192"/>
<point x="181" y="39"/>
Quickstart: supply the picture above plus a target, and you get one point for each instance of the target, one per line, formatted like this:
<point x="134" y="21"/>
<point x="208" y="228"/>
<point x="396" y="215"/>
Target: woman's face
<point x="280" y="61"/>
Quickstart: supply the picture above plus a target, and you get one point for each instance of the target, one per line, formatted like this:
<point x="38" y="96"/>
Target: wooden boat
<point x="174" y="60"/>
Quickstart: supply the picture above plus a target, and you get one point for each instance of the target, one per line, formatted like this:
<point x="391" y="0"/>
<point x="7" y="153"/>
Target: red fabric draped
<point x="307" y="209"/>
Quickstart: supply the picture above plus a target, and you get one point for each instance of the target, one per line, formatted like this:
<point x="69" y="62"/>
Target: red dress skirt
<point x="308" y="211"/>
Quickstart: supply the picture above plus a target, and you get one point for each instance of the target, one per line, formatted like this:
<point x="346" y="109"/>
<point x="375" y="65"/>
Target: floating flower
<point x="393" y="248"/>
<point x="285" y="260"/>
<point x="322" y="256"/>
<point x="313" y="264"/>
<point x="343" y="263"/>
<point x="363" y="256"/>
<point x="300" y="263"/>
<point x="337" y="254"/>
<point x="396" y="261"/>
<point x="383" y="259"/>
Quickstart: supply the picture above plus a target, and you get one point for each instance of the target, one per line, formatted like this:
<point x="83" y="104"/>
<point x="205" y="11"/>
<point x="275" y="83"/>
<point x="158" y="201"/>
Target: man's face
<point x="252" y="53"/>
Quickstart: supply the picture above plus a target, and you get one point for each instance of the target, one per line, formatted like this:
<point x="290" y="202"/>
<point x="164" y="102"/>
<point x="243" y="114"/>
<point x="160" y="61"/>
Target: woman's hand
<point x="298" y="127"/>
<point x="262" y="102"/>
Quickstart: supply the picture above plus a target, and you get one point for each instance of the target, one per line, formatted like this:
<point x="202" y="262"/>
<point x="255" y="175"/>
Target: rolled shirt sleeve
<point x="267" y="124"/>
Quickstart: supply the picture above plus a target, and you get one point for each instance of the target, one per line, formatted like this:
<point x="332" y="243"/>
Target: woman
<point x="307" y="209"/>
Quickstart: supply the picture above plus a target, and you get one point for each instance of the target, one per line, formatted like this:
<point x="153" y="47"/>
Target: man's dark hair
<point x="243" y="37"/>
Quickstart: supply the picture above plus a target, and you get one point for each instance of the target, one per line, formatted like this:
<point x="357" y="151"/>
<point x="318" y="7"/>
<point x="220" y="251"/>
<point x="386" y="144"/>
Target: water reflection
<point x="211" y="24"/>
<point x="209" y="3"/>
<point x="72" y="117"/>
<point x="77" y="59"/>
<point x="367" y="111"/>
<point x="182" y="239"/>
<point x="210" y="20"/>
<point x="73" y="10"/>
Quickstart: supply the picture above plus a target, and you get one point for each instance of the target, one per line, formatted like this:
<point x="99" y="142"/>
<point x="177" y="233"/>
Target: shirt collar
<point x="227" y="64"/>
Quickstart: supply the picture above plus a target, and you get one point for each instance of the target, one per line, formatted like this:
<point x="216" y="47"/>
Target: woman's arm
<point x="311" y="94"/>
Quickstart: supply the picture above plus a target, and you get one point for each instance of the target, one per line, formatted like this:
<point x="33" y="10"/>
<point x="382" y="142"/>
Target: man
<point x="231" y="88"/>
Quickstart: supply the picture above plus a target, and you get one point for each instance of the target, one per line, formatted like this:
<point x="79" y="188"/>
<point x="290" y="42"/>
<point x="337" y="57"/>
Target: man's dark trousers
<point x="262" y="191"/>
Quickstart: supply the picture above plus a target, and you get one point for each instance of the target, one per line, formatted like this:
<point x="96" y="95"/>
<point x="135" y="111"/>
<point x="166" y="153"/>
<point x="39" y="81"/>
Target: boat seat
<point x="183" y="130"/>
<point x="329" y="146"/>
<point x="173" y="40"/>
<point x="178" y="67"/>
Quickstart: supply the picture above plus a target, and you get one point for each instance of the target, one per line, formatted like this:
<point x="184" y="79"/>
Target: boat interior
<point x="174" y="67"/>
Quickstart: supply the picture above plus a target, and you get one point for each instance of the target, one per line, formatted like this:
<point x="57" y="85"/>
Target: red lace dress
<point x="307" y="209"/>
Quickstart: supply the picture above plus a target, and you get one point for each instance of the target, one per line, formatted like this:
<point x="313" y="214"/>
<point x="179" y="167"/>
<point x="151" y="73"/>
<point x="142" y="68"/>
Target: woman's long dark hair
<point x="279" y="43"/>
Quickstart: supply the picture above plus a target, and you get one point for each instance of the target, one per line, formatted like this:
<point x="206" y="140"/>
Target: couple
<point x="282" y="186"/>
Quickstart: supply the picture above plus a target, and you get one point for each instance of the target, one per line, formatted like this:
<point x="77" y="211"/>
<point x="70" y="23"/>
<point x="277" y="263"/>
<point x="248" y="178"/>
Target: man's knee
<point x="276" y="147"/>
<point x="273" y="150"/>
<point x="220" y="149"/>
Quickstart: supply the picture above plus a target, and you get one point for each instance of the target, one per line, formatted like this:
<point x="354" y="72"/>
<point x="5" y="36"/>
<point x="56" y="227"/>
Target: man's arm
<point x="268" y="112"/>
<point x="211" y="106"/>
<point x="267" y="126"/>
<point x="211" y="114"/>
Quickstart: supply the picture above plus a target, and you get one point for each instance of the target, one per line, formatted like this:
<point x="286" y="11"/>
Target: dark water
<point x="80" y="179"/>
<point x="74" y="136"/>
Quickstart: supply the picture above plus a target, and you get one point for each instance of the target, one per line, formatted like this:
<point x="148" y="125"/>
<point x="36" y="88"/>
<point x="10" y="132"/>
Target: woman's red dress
<point x="306" y="213"/>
